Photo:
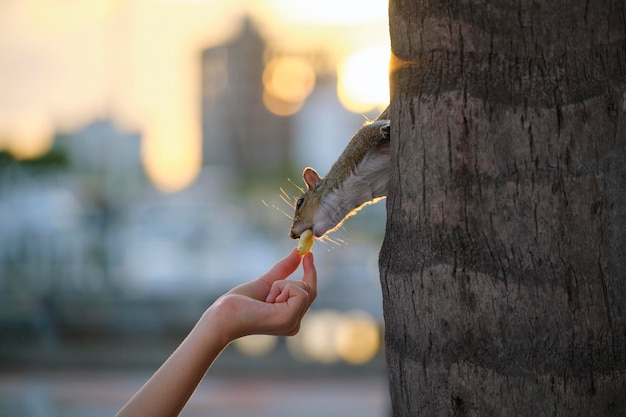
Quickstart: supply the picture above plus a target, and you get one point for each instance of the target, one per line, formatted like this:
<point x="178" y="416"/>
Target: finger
<point x="273" y="293"/>
<point x="283" y="316"/>
<point x="310" y="272"/>
<point x="290" y="291"/>
<point x="283" y="291"/>
<point x="278" y="289"/>
<point x="259" y="288"/>
<point x="309" y="279"/>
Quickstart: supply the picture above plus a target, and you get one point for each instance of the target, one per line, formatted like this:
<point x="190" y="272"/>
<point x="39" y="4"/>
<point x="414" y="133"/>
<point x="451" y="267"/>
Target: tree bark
<point x="503" y="267"/>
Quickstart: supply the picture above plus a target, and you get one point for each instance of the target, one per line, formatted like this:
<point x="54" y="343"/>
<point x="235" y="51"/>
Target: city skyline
<point x="138" y="62"/>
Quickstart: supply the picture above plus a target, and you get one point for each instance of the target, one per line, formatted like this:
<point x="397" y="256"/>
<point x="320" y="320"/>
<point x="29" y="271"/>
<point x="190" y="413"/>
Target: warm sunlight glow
<point x="329" y="12"/>
<point x="170" y="158"/>
<point x="288" y="81"/>
<point x="31" y="138"/>
<point x="59" y="15"/>
<point x="328" y="336"/>
<point x="162" y="85"/>
<point x="289" y="78"/>
<point x="358" y="338"/>
<point x="256" y="345"/>
<point x="316" y="339"/>
<point x="280" y="107"/>
<point x="364" y="80"/>
<point x="137" y="63"/>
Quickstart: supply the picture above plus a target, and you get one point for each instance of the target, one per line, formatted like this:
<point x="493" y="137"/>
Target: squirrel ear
<point x="311" y="178"/>
<point x="385" y="129"/>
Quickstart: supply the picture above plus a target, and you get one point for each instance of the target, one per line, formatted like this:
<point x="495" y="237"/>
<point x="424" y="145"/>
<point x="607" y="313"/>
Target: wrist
<point x="214" y="330"/>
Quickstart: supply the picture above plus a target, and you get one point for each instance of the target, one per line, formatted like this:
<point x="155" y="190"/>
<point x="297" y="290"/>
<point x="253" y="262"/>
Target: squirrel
<point x="359" y="176"/>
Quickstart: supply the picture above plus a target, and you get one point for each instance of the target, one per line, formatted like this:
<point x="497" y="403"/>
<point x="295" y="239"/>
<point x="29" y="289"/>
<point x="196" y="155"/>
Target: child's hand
<point x="270" y="304"/>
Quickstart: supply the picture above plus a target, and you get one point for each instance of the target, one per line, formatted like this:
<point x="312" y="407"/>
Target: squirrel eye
<point x="299" y="203"/>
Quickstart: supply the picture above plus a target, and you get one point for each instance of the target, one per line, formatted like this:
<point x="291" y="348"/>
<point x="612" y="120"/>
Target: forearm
<point x="169" y="389"/>
<point x="267" y="305"/>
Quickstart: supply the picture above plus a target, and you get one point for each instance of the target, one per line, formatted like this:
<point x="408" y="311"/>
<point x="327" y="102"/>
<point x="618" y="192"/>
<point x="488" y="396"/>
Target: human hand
<point x="269" y="304"/>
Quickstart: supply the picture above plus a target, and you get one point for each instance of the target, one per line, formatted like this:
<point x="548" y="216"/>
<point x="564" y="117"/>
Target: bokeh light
<point x="289" y="78"/>
<point x="316" y="339"/>
<point x="363" y="80"/>
<point x="328" y="336"/>
<point x="134" y="219"/>
<point x="257" y="345"/>
<point x="31" y="137"/>
<point x="358" y="338"/>
<point x="279" y="106"/>
<point x="287" y="82"/>
<point x="171" y="160"/>
<point x="137" y="62"/>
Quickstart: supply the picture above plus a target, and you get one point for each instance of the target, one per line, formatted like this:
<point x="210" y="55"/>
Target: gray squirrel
<point x="359" y="176"/>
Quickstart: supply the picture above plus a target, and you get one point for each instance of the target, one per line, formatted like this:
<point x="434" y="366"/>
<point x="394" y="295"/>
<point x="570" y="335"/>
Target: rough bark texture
<point x="504" y="263"/>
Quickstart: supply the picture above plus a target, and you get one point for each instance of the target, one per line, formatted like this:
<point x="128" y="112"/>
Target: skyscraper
<point x="237" y="129"/>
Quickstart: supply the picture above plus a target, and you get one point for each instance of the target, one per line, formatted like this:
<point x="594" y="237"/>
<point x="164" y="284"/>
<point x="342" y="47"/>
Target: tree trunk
<point x="504" y="262"/>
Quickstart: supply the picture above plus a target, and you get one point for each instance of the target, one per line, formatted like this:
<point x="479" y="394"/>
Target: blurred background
<point x="150" y="155"/>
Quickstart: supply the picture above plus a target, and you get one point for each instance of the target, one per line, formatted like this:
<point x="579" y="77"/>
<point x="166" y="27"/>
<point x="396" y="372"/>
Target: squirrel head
<point x="359" y="176"/>
<point x="307" y="204"/>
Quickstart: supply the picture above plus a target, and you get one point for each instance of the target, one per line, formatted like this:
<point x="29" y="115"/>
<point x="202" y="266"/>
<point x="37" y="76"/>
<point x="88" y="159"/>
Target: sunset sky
<point x="65" y="62"/>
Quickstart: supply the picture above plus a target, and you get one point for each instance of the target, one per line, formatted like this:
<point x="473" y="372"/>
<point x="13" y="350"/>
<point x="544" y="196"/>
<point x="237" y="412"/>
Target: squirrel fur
<point x="359" y="176"/>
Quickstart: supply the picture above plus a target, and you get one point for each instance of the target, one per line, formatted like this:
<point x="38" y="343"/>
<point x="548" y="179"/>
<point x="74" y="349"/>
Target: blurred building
<point x="109" y="156"/>
<point x="56" y="212"/>
<point x="237" y="128"/>
<point x="89" y="247"/>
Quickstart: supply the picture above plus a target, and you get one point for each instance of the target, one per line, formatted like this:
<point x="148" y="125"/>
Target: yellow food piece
<point x="306" y="242"/>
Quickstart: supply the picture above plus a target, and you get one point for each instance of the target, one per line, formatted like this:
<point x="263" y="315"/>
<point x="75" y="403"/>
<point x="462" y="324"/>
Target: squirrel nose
<point x="294" y="235"/>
